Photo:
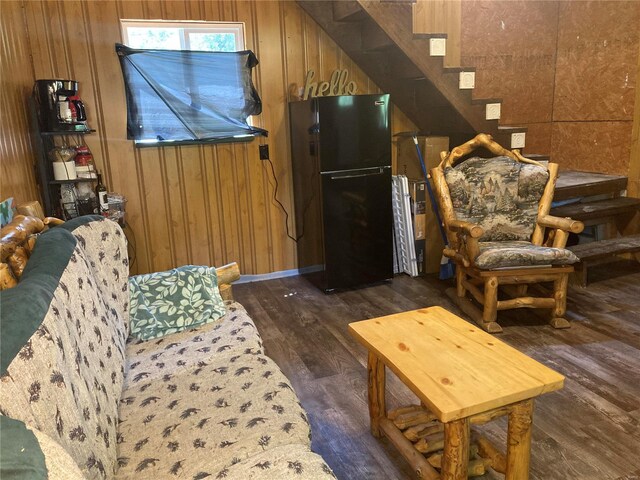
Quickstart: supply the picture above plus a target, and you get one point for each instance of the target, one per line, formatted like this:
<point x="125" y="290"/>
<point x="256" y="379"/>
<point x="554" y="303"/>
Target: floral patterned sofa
<point x="80" y="400"/>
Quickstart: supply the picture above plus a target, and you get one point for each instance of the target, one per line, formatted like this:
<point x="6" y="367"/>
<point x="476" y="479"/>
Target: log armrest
<point x="566" y="224"/>
<point x="467" y="248"/>
<point x="471" y="229"/>
<point x="227" y="274"/>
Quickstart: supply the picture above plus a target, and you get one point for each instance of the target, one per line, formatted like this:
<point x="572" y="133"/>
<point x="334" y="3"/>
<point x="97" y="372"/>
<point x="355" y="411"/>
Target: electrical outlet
<point x="492" y="111"/>
<point x="264" y="152"/>
<point x="518" y="139"/>
<point x="437" y="47"/>
<point x="467" y="80"/>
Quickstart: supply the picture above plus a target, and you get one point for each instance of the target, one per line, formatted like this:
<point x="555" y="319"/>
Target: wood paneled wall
<point x="17" y="178"/>
<point x="192" y="204"/>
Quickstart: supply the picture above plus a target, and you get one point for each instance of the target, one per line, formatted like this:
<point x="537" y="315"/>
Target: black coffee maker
<point x="58" y="106"/>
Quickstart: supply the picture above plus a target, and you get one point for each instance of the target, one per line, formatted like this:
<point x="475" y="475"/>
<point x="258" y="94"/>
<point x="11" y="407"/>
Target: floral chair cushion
<point x="521" y="254"/>
<point x="172" y="301"/>
<point x="499" y="194"/>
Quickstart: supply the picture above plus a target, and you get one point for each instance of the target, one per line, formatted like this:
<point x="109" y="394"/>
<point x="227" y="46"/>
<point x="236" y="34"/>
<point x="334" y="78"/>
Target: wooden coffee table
<point x="463" y="376"/>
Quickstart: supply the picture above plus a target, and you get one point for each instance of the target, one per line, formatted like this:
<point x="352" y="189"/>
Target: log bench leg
<point x="455" y="458"/>
<point x="519" y="440"/>
<point x="579" y="275"/>
<point x="377" y="406"/>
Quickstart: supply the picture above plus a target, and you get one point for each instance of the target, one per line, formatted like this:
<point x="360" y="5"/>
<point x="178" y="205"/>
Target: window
<point x="206" y="36"/>
<point x="187" y="82"/>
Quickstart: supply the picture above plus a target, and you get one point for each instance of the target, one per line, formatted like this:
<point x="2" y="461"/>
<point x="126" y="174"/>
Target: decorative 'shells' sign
<point x="337" y="85"/>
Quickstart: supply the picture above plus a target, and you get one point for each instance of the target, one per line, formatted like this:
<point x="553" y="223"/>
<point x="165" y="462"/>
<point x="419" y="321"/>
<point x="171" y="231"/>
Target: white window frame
<point x="186" y="27"/>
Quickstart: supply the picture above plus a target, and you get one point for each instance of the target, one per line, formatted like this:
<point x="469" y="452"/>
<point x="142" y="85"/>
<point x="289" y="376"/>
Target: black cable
<point x="286" y="214"/>
<point x="131" y="243"/>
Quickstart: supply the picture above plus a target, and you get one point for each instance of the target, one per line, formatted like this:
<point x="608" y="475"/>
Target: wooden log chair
<point x="496" y="215"/>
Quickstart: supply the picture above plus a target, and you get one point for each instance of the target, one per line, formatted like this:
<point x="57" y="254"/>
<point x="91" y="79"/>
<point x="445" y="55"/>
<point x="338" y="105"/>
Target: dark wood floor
<point x="588" y="430"/>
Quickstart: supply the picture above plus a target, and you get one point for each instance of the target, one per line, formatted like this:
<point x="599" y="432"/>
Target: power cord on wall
<point x="131" y="245"/>
<point x="286" y="214"/>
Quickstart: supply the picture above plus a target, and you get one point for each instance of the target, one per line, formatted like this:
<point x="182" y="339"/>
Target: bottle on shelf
<point x="68" y="201"/>
<point x="101" y="194"/>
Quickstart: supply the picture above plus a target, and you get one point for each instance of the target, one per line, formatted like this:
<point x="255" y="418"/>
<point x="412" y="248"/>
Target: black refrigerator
<point x="341" y="159"/>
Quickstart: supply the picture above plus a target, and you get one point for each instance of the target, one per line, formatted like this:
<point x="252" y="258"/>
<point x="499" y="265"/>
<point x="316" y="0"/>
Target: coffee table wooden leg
<point x="455" y="459"/>
<point x="519" y="441"/>
<point x="377" y="406"/>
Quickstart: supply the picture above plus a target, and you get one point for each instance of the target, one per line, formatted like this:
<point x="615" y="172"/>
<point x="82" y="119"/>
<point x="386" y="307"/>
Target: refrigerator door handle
<point x="365" y="173"/>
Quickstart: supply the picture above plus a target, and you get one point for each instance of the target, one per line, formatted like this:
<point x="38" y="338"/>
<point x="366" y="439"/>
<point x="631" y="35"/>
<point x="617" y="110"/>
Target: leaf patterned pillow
<point x="173" y="301"/>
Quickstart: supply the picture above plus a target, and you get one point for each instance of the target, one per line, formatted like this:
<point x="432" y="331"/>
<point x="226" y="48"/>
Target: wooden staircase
<point x="378" y="36"/>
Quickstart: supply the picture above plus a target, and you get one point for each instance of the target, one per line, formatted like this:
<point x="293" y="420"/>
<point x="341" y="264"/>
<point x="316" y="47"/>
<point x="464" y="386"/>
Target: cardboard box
<point x="418" y="193"/>
<point x="432" y="244"/>
<point x="419" y="226"/>
<point x="407" y="157"/>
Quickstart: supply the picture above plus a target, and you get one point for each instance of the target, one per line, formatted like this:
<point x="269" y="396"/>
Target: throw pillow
<point x="172" y="301"/>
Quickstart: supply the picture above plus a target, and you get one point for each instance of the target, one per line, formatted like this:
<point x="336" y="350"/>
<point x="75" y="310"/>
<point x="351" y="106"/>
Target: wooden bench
<point x="614" y="213"/>
<point x="573" y="184"/>
<point x="462" y="376"/>
<point x="594" y="251"/>
<point x="597" y="210"/>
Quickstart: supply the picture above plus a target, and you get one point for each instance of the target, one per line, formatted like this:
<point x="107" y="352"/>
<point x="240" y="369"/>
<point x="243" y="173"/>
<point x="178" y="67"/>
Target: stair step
<point x="573" y="184"/>
<point x="483" y="101"/>
<point x="430" y="35"/>
<point x="348" y="11"/>
<point x="606" y="248"/>
<point x="400" y="67"/>
<point x="512" y="129"/>
<point x="511" y="137"/>
<point x="538" y="157"/>
<point x="598" y="209"/>
<point x="458" y="69"/>
<point x="373" y="37"/>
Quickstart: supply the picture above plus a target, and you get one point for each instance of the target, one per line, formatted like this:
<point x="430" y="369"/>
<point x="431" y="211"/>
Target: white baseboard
<point x="281" y="274"/>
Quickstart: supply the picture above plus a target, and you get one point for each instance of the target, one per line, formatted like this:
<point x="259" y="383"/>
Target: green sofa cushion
<point x="172" y="301"/>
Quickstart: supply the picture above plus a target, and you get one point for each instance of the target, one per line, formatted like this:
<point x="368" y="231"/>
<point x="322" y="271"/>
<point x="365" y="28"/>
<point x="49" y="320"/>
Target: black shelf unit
<point x="44" y="142"/>
<point x="62" y="182"/>
<point x="67" y="133"/>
